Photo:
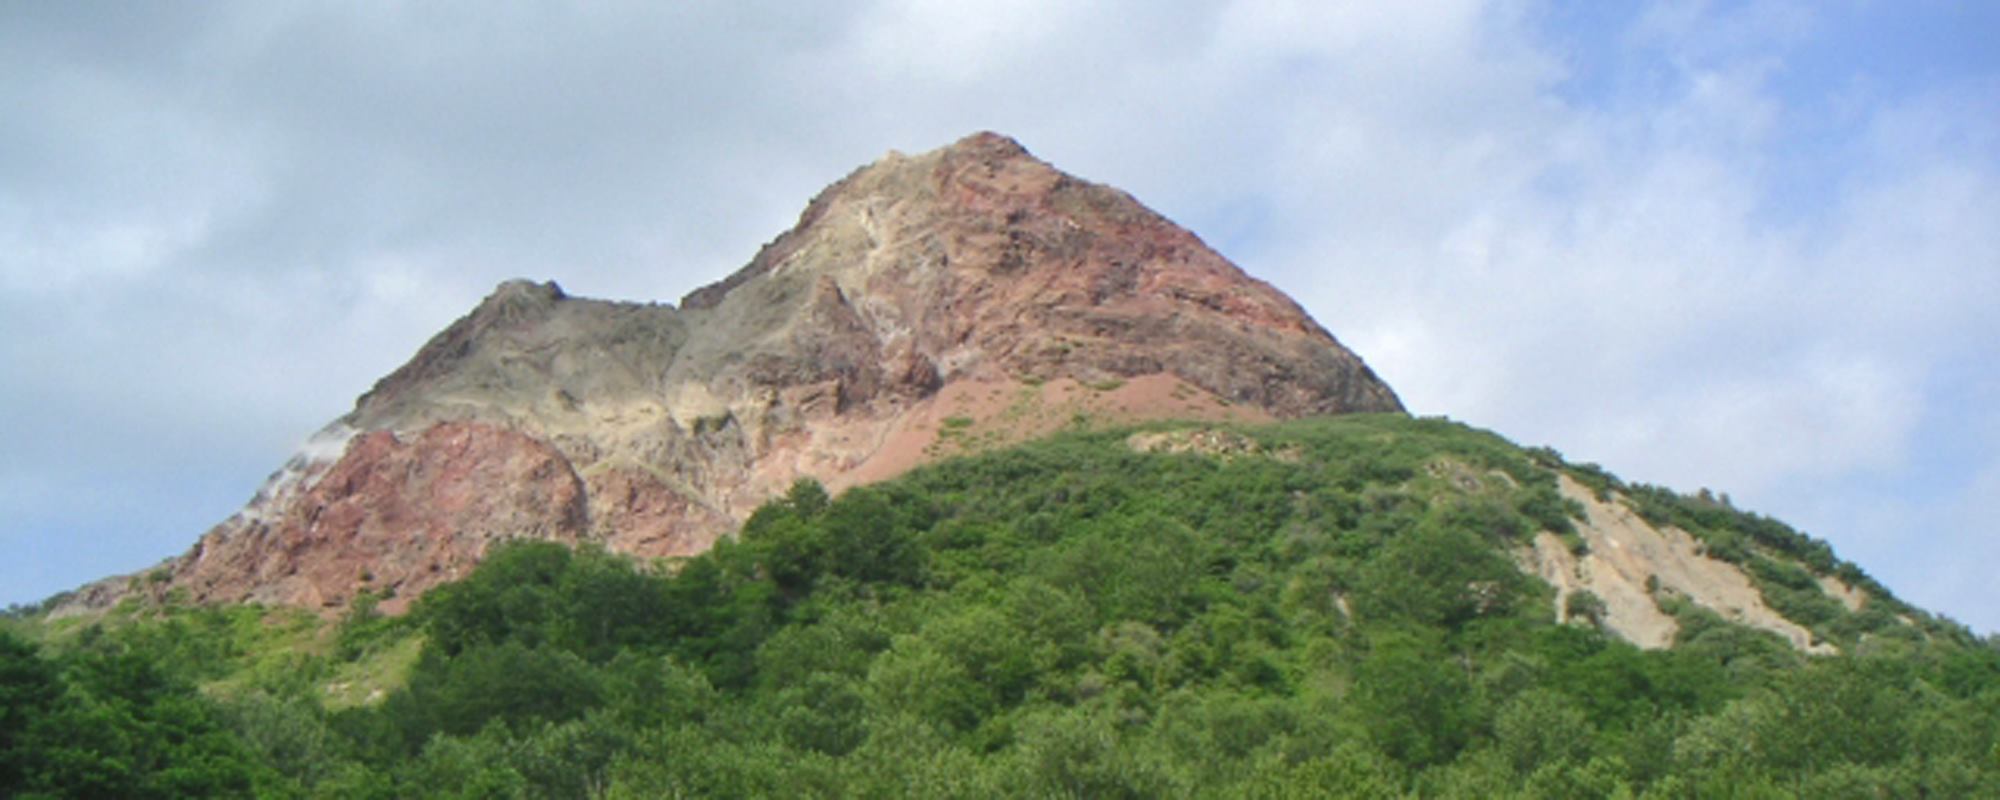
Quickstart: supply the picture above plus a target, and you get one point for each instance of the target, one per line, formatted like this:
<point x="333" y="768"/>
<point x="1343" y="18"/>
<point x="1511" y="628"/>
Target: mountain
<point x="923" y="306"/>
<point x="981" y="481"/>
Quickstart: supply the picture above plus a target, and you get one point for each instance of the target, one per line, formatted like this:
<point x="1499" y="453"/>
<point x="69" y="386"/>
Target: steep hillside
<point x="1330" y="607"/>
<point x="922" y="306"/>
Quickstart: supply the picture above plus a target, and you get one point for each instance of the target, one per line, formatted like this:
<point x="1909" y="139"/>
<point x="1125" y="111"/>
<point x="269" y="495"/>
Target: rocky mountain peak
<point x="922" y="306"/>
<point x="921" y="183"/>
<point x="515" y="296"/>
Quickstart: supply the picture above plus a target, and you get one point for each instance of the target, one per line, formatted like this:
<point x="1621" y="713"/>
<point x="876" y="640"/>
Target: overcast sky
<point x="1753" y="246"/>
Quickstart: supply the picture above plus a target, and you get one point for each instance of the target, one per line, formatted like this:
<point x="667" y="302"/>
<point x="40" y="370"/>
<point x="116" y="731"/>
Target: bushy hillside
<point x="1332" y="607"/>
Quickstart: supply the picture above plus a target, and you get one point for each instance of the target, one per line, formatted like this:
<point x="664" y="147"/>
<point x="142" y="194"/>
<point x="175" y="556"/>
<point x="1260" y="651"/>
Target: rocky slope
<point x="1628" y="562"/>
<point x="922" y="306"/>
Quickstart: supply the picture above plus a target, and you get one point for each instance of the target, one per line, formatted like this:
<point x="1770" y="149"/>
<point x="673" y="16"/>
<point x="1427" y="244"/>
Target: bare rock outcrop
<point x="922" y="306"/>
<point x="1630" y="561"/>
<point x="392" y="516"/>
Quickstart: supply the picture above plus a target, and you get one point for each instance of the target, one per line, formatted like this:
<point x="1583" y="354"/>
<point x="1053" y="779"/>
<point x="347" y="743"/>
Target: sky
<point x="1748" y="246"/>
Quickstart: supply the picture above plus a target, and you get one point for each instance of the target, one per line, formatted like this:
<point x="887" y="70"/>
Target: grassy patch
<point x="367" y="680"/>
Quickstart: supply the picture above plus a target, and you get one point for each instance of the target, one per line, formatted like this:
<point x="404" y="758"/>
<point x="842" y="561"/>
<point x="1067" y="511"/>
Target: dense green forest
<point x="1327" y="608"/>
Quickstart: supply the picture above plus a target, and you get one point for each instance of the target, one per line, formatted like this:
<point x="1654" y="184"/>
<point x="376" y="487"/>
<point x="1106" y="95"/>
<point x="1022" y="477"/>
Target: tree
<point x="1540" y="727"/>
<point x="29" y="689"/>
<point x="509" y="683"/>
<point x="125" y="728"/>
<point x="1413" y="698"/>
<point x="1438" y="575"/>
<point x="868" y="542"/>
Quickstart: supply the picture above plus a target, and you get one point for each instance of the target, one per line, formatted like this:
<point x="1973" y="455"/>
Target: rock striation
<point x="922" y="306"/>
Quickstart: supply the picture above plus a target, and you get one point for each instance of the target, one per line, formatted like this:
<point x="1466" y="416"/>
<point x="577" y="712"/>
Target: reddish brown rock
<point x="980" y="257"/>
<point x="392" y="517"/>
<point x="638" y="513"/>
<point x="923" y="306"/>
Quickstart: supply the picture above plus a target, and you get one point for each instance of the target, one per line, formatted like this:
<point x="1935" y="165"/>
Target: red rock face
<point x="637" y="513"/>
<point x="395" y="518"/>
<point x="981" y="257"/>
<point x="923" y="307"/>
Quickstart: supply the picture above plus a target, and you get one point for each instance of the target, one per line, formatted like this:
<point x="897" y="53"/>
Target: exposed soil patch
<point x="1629" y="560"/>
